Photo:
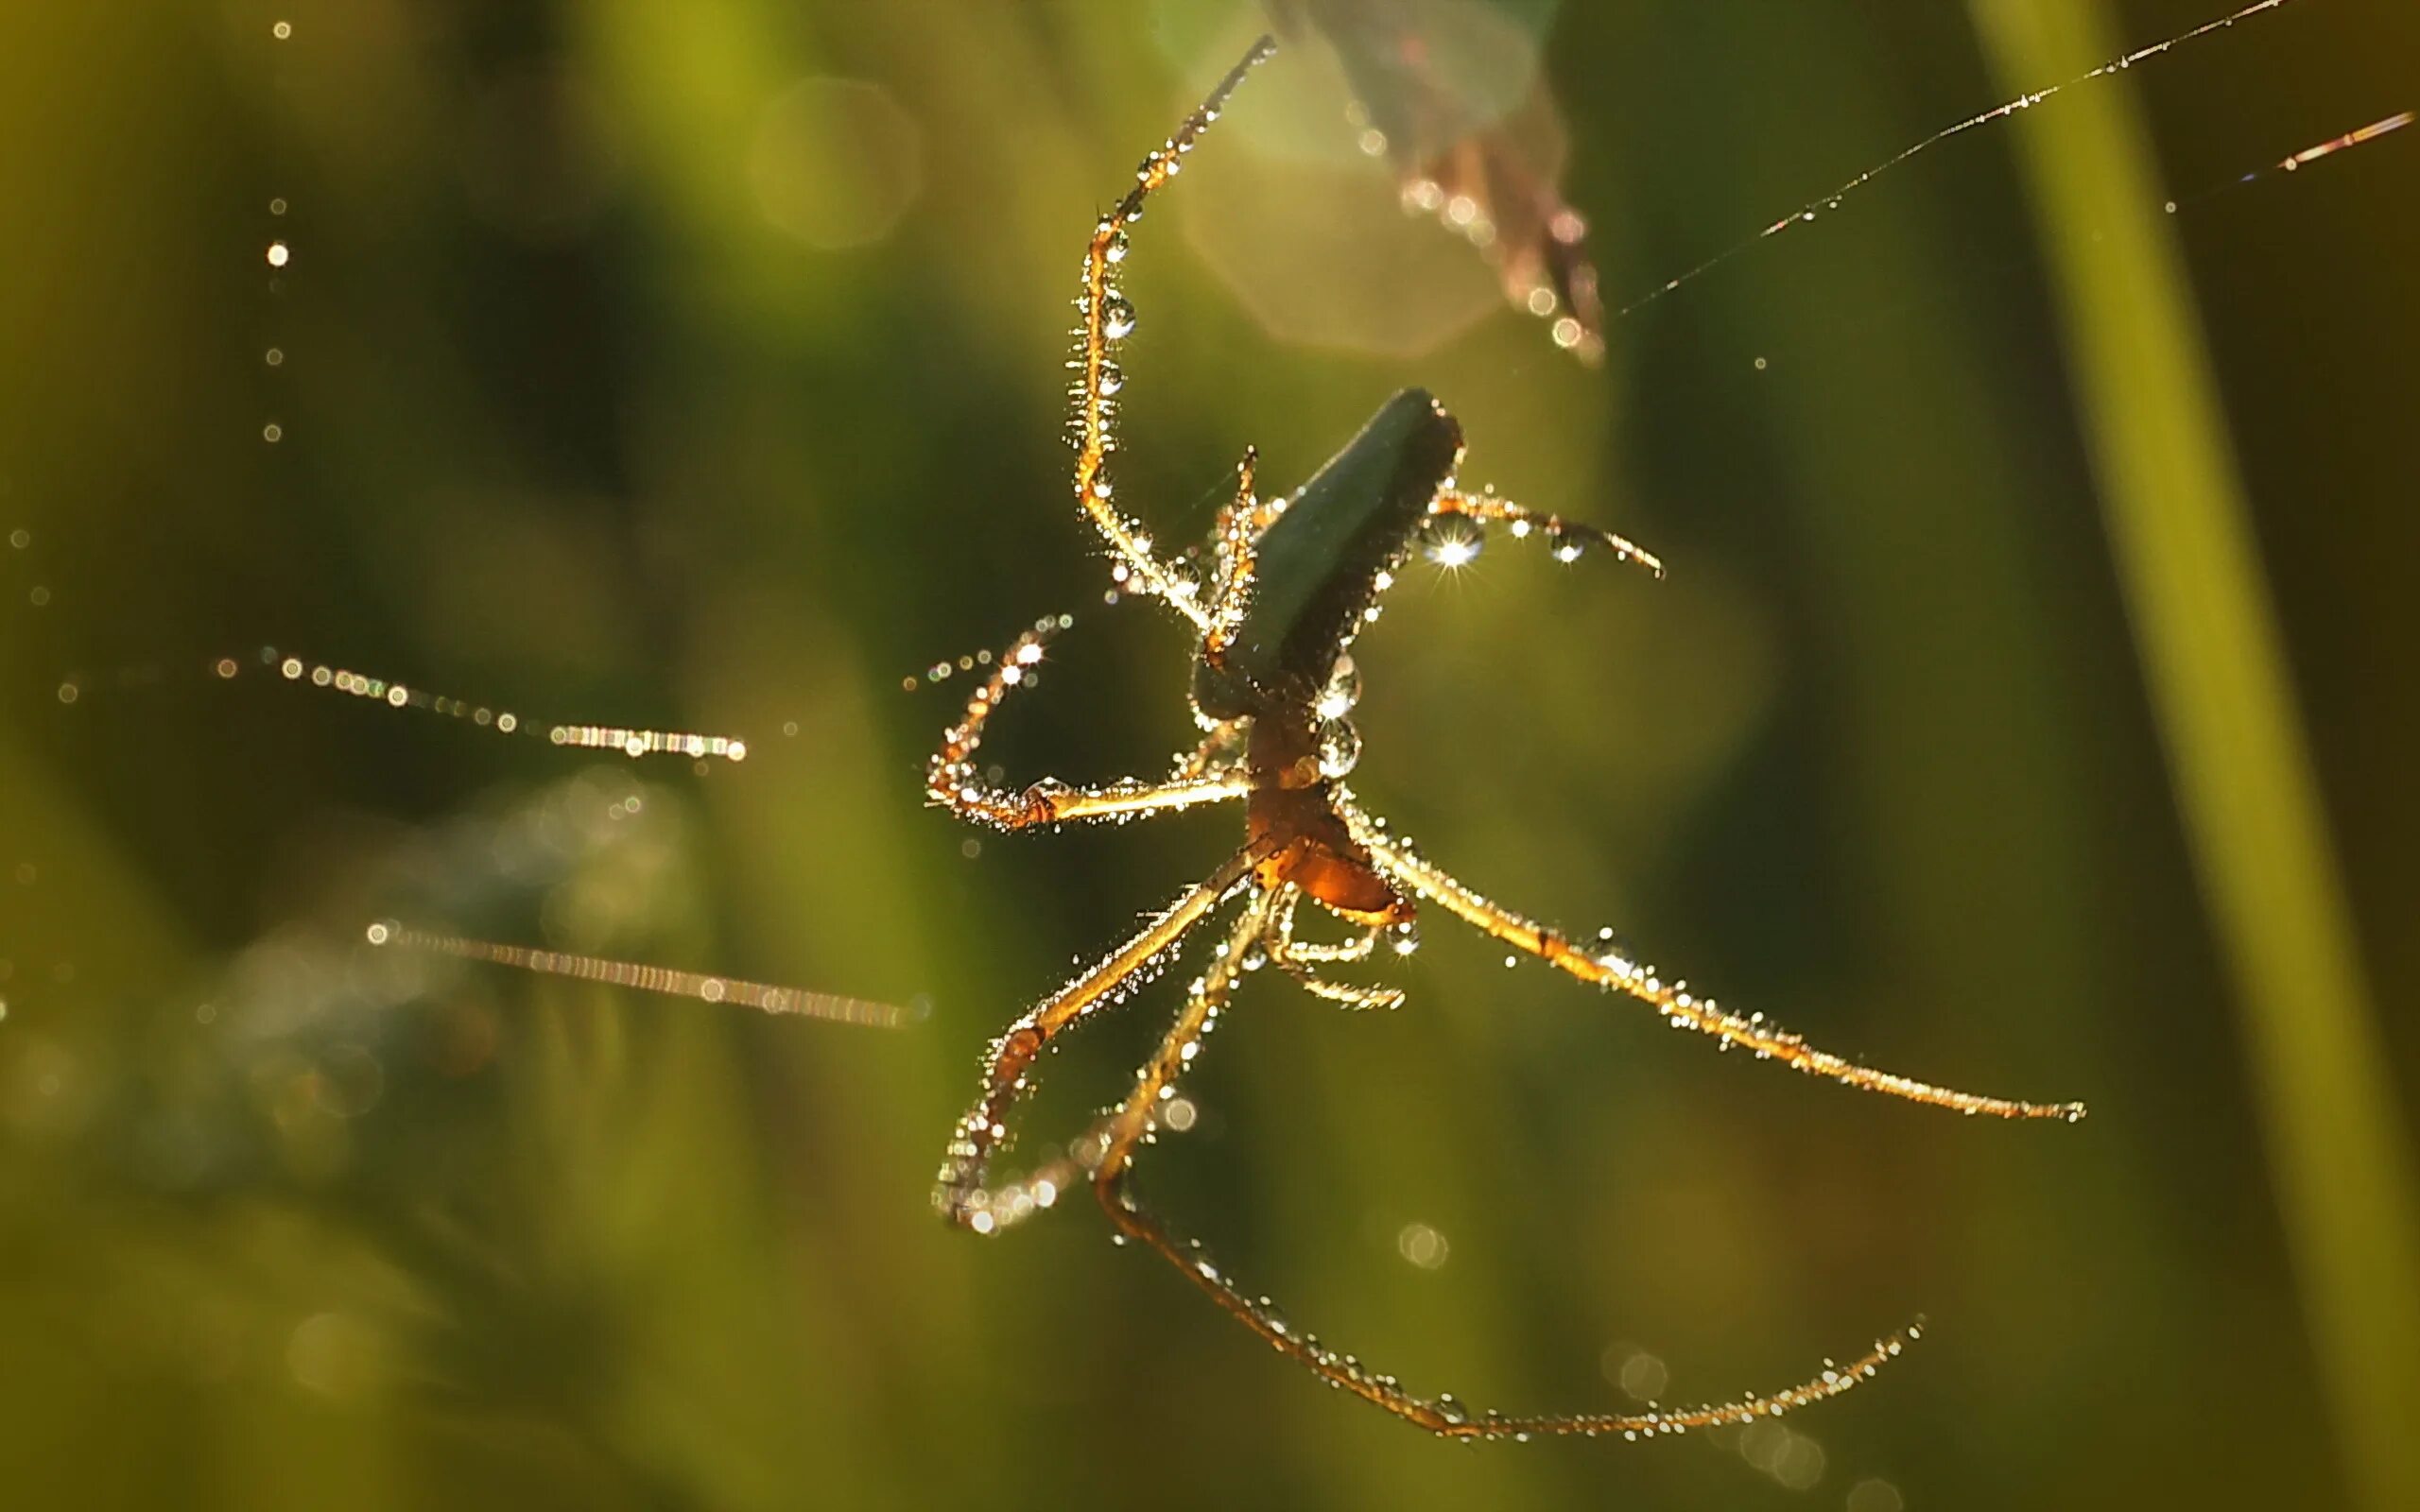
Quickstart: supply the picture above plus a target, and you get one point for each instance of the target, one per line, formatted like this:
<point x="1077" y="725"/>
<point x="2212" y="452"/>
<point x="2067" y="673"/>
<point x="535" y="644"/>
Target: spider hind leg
<point x="963" y="1192"/>
<point x="1122" y="1134"/>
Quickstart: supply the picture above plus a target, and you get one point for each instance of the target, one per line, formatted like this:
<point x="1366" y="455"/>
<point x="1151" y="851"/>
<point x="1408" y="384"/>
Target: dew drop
<point x="1451" y="540"/>
<point x="1343" y="692"/>
<point x="1339" y="748"/>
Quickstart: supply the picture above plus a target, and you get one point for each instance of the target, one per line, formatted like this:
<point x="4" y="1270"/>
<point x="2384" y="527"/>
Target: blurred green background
<point x="699" y="366"/>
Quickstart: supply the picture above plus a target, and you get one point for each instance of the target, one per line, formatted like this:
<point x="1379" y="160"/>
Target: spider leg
<point x="1296" y="959"/>
<point x="959" y="1192"/>
<point x="1345" y="952"/>
<point x="1402" y="866"/>
<point x="952" y="780"/>
<point x="1122" y="1133"/>
<point x="1569" y="538"/>
<point x="1106" y="319"/>
<point x="1222" y="748"/>
<point x="1240" y="525"/>
<point x="1347" y="994"/>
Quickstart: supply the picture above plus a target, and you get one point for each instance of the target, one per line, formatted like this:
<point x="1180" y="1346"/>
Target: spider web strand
<point x="764" y="997"/>
<point x="1821" y="203"/>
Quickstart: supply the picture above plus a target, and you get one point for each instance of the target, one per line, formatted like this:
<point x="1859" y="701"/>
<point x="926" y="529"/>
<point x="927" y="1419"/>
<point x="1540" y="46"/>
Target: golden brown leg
<point x="1106" y="319"/>
<point x="1569" y="540"/>
<point x="1222" y="748"/>
<point x="959" y="1192"/>
<point x="951" y="778"/>
<point x="1343" y="952"/>
<point x="1240" y="524"/>
<point x="1296" y="959"/>
<point x="1402" y="866"/>
<point x="1123" y="1131"/>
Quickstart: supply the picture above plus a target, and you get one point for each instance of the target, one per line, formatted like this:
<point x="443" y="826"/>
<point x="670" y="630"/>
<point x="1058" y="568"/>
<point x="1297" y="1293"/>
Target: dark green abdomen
<point x="1316" y="568"/>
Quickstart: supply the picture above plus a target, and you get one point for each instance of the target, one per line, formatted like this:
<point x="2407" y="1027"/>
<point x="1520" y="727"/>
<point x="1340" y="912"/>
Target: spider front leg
<point x="952" y="780"/>
<point x="1569" y="540"/>
<point x="1397" y="861"/>
<point x="1122" y="1133"/>
<point x="960" y="1193"/>
<point x="1107" y="319"/>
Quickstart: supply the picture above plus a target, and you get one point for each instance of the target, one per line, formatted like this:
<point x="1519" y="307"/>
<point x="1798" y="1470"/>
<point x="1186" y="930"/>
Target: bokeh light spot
<point x="1643" y="1376"/>
<point x="1423" y="1246"/>
<point x="835" y="163"/>
<point x="1875" y="1496"/>
<point x="332" y="1354"/>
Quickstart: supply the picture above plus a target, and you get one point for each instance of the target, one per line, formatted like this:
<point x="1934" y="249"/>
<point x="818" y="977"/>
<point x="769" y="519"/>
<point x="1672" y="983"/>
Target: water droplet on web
<point x="1185" y="580"/>
<point x="1343" y="692"/>
<point x="1339" y="748"/>
<point x="1116" y="318"/>
<point x="1452" y="540"/>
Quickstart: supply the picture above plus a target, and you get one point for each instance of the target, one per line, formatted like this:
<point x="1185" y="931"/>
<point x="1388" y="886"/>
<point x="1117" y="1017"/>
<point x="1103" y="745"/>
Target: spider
<point x="1272" y="684"/>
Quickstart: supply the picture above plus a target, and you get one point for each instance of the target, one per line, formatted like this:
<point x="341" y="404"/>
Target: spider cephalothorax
<point x="1273" y="687"/>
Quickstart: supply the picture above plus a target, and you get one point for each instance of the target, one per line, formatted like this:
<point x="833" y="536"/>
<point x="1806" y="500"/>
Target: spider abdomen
<point x="1319" y="565"/>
